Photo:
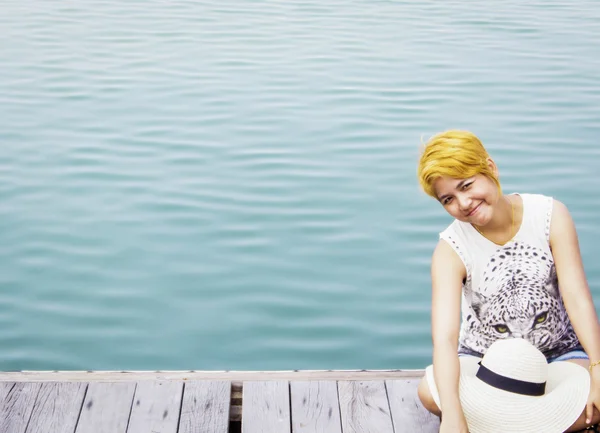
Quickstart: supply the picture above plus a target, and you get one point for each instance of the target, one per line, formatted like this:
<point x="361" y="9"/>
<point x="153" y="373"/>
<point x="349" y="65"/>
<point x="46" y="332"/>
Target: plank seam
<point x="87" y="385"/>
<point x="32" y="409"/>
<point x="289" y="385"/>
<point x="131" y="407"/>
<point x="387" y="396"/>
<point x="337" y="390"/>
<point x="180" y="407"/>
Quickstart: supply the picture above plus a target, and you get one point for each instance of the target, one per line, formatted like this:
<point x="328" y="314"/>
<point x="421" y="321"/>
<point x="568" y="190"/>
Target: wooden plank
<point x="266" y="407"/>
<point x="156" y="407"/>
<point x="364" y="407"/>
<point x="315" y="407"/>
<point x="106" y="407"/>
<point x="5" y="387"/>
<point x="408" y="414"/>
<point x="136" y="376"/>
<point x="57" y="407"/>
<point x="205" y="407"/>
<point x="17" y="407"/>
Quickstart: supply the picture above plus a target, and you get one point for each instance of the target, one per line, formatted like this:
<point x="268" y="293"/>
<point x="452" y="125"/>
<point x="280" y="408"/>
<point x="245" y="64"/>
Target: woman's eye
<point x="541" y="318"/>
<point x="502" y="329"/>
<point x="447" y="201"/>
<point x="466" y="185"/>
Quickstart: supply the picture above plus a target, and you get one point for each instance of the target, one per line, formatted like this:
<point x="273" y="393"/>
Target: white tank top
<point x="512" y="291"/>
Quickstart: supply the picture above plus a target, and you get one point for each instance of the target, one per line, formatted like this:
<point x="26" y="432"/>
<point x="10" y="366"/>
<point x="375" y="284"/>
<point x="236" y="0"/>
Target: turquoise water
<point x="231" y="185"/>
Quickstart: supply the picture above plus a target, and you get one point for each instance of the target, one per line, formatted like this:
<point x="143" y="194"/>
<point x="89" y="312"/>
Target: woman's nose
<point x="464" y="202"/>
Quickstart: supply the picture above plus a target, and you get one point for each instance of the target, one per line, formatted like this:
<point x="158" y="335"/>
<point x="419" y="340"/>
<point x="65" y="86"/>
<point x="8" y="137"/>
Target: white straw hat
<point x="514" y="389"/>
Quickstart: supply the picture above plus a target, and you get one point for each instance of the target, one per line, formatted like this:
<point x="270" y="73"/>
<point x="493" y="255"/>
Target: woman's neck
<point x="506" y="218"/>
<point x="502" y="218"/>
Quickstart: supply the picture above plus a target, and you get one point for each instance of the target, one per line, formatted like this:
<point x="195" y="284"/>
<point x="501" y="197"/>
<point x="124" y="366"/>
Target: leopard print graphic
<point x="519" y="298"/>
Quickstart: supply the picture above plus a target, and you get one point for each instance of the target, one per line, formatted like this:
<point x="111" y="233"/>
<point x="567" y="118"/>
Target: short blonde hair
<point x="454" y="153"/>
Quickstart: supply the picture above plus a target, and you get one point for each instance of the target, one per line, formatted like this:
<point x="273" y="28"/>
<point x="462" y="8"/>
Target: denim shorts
<point x="573" y="354"/>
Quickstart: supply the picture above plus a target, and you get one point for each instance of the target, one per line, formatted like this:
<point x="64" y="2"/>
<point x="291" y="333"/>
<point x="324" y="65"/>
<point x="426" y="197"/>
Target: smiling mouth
<point x="474" y="210"/>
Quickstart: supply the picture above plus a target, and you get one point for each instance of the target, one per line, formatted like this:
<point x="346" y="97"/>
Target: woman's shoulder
<point x="458" y="236"/>
<point x="539" y="203"/>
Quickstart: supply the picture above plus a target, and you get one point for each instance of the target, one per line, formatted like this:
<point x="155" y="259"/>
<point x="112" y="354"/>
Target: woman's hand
<point x="454" y="422"/>
<point x="594" y="397"/>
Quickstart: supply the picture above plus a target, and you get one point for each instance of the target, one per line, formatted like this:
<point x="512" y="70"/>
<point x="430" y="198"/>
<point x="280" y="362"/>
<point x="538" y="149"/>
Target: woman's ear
<point x="493" y="167"/>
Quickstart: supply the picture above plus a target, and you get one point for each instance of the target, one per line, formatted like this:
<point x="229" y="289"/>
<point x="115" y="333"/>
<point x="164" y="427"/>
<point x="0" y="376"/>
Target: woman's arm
<point x="576" y="294"/>
<point x="447" y="274"/>
<point x="572" y="281"/>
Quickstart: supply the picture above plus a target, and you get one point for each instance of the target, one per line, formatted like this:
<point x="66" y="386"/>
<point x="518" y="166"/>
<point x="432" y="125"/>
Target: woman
<point x="501" y="262"/>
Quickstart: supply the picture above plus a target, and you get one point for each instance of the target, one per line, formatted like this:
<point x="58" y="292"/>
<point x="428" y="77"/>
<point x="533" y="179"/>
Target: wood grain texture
<point x="315" y="407"/>
<point x="106" y="407"/>
<point x="266" y="407"/>
<point x="5" y="387"/>
<point x="17" y="407"/>
<point x="364" y="407"/>
<point x="156" y="407"/>
<point x="205" y="407"/>
<point x="57" y="407"/>
<point x="408" y="414"/>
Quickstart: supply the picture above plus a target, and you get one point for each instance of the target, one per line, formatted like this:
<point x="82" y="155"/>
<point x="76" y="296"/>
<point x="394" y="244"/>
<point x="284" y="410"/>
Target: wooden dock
<point x="213" y="402"/>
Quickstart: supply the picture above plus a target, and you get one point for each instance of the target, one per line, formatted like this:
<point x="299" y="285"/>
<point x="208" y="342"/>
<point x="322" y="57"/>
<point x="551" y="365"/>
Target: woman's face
<point x="470" y="200"/>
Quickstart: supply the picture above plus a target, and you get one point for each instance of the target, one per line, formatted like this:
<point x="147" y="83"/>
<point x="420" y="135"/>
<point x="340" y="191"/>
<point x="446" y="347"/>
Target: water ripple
<point x="232" y="185"/>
